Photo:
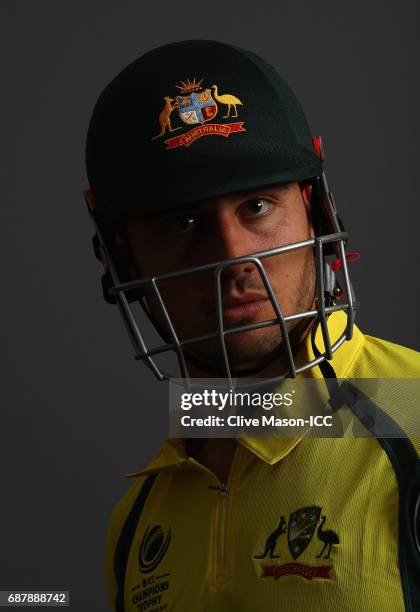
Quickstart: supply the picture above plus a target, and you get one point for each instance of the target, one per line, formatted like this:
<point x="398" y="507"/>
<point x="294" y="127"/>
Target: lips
<point x="244" y="307"/>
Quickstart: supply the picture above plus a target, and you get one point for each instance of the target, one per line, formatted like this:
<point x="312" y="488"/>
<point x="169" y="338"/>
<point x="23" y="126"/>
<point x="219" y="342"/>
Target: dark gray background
<point x="76" y="411"/>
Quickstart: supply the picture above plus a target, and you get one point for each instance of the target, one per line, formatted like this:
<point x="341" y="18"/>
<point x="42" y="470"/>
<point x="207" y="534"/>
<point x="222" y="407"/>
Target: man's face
<point x="222" y="228"/>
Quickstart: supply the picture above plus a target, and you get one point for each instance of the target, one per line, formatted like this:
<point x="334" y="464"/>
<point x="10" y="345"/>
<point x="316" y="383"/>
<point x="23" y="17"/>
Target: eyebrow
<point x="194" y="207"/>
<point x="253" y="191"/>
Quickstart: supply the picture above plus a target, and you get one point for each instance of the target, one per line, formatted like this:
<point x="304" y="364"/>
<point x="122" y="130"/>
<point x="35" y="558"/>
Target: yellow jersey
<point x="302" y="524"/>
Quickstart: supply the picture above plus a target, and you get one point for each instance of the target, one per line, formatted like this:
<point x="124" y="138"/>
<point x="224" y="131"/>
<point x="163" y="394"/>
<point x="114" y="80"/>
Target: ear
<point x="306" y="195"/>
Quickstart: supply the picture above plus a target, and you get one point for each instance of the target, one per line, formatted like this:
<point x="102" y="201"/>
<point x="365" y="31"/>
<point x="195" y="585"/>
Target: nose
<point x="231" y="241"/>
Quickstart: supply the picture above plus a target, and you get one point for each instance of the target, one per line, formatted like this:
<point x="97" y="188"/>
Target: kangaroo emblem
<point x="164" y="117"/>
<point x="271" y="542"/>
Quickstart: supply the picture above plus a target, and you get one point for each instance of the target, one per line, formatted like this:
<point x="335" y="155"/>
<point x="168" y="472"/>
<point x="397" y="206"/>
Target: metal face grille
<point x="146" y="354"/>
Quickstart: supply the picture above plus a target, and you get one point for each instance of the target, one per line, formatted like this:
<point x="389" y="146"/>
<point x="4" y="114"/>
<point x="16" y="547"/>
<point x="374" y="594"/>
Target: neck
<point x="216" y="454"/>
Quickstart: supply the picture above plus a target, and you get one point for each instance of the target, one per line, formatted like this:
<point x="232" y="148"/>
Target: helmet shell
<point x="189" y="121"/>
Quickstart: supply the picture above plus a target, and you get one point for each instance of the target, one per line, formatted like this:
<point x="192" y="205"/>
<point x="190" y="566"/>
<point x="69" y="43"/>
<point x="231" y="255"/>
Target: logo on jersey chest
<point x="299" y="531"/>
<point x="153" y="548"/>
<point x="150" y="592"/>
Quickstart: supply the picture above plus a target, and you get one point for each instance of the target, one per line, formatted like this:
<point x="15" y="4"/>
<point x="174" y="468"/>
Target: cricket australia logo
<point x="302" y="525"/>
<point x="300" y="529"/>
<point x="153" y="548"/>
<point x="197" y="106"/>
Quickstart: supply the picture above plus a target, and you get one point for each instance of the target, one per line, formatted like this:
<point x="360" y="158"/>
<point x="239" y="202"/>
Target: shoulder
<point x="383" y="359"/>
<point x="396" y="385"/>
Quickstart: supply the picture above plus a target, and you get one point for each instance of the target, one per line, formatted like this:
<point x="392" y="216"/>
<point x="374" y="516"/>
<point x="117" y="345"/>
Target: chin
<point x="244" y="350"/>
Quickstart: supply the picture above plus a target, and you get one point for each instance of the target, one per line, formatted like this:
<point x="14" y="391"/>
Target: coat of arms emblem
<point x="196" y="106"/>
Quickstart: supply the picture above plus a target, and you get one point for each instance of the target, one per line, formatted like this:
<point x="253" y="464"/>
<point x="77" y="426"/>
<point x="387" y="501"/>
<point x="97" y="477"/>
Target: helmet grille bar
<point x="279" y="315"/>
<point x="135" y="335"/>
<point x="236" y="330"/>
<point x="351" y="310"/>
<point x="124" y="306"/>
<point x="176" y="343"/>
<point x="137" y="284"/>
<point x="220" y="327"/>
<point x="321" y="297"/>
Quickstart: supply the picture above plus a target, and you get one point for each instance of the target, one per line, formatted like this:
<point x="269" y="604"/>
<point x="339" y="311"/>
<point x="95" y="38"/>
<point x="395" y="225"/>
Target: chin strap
<point x="337" y="397"/>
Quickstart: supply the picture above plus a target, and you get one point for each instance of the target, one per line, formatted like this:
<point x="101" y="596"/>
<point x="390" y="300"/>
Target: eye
<point x="257" y="207"/>
<point x="182" y="225"/>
